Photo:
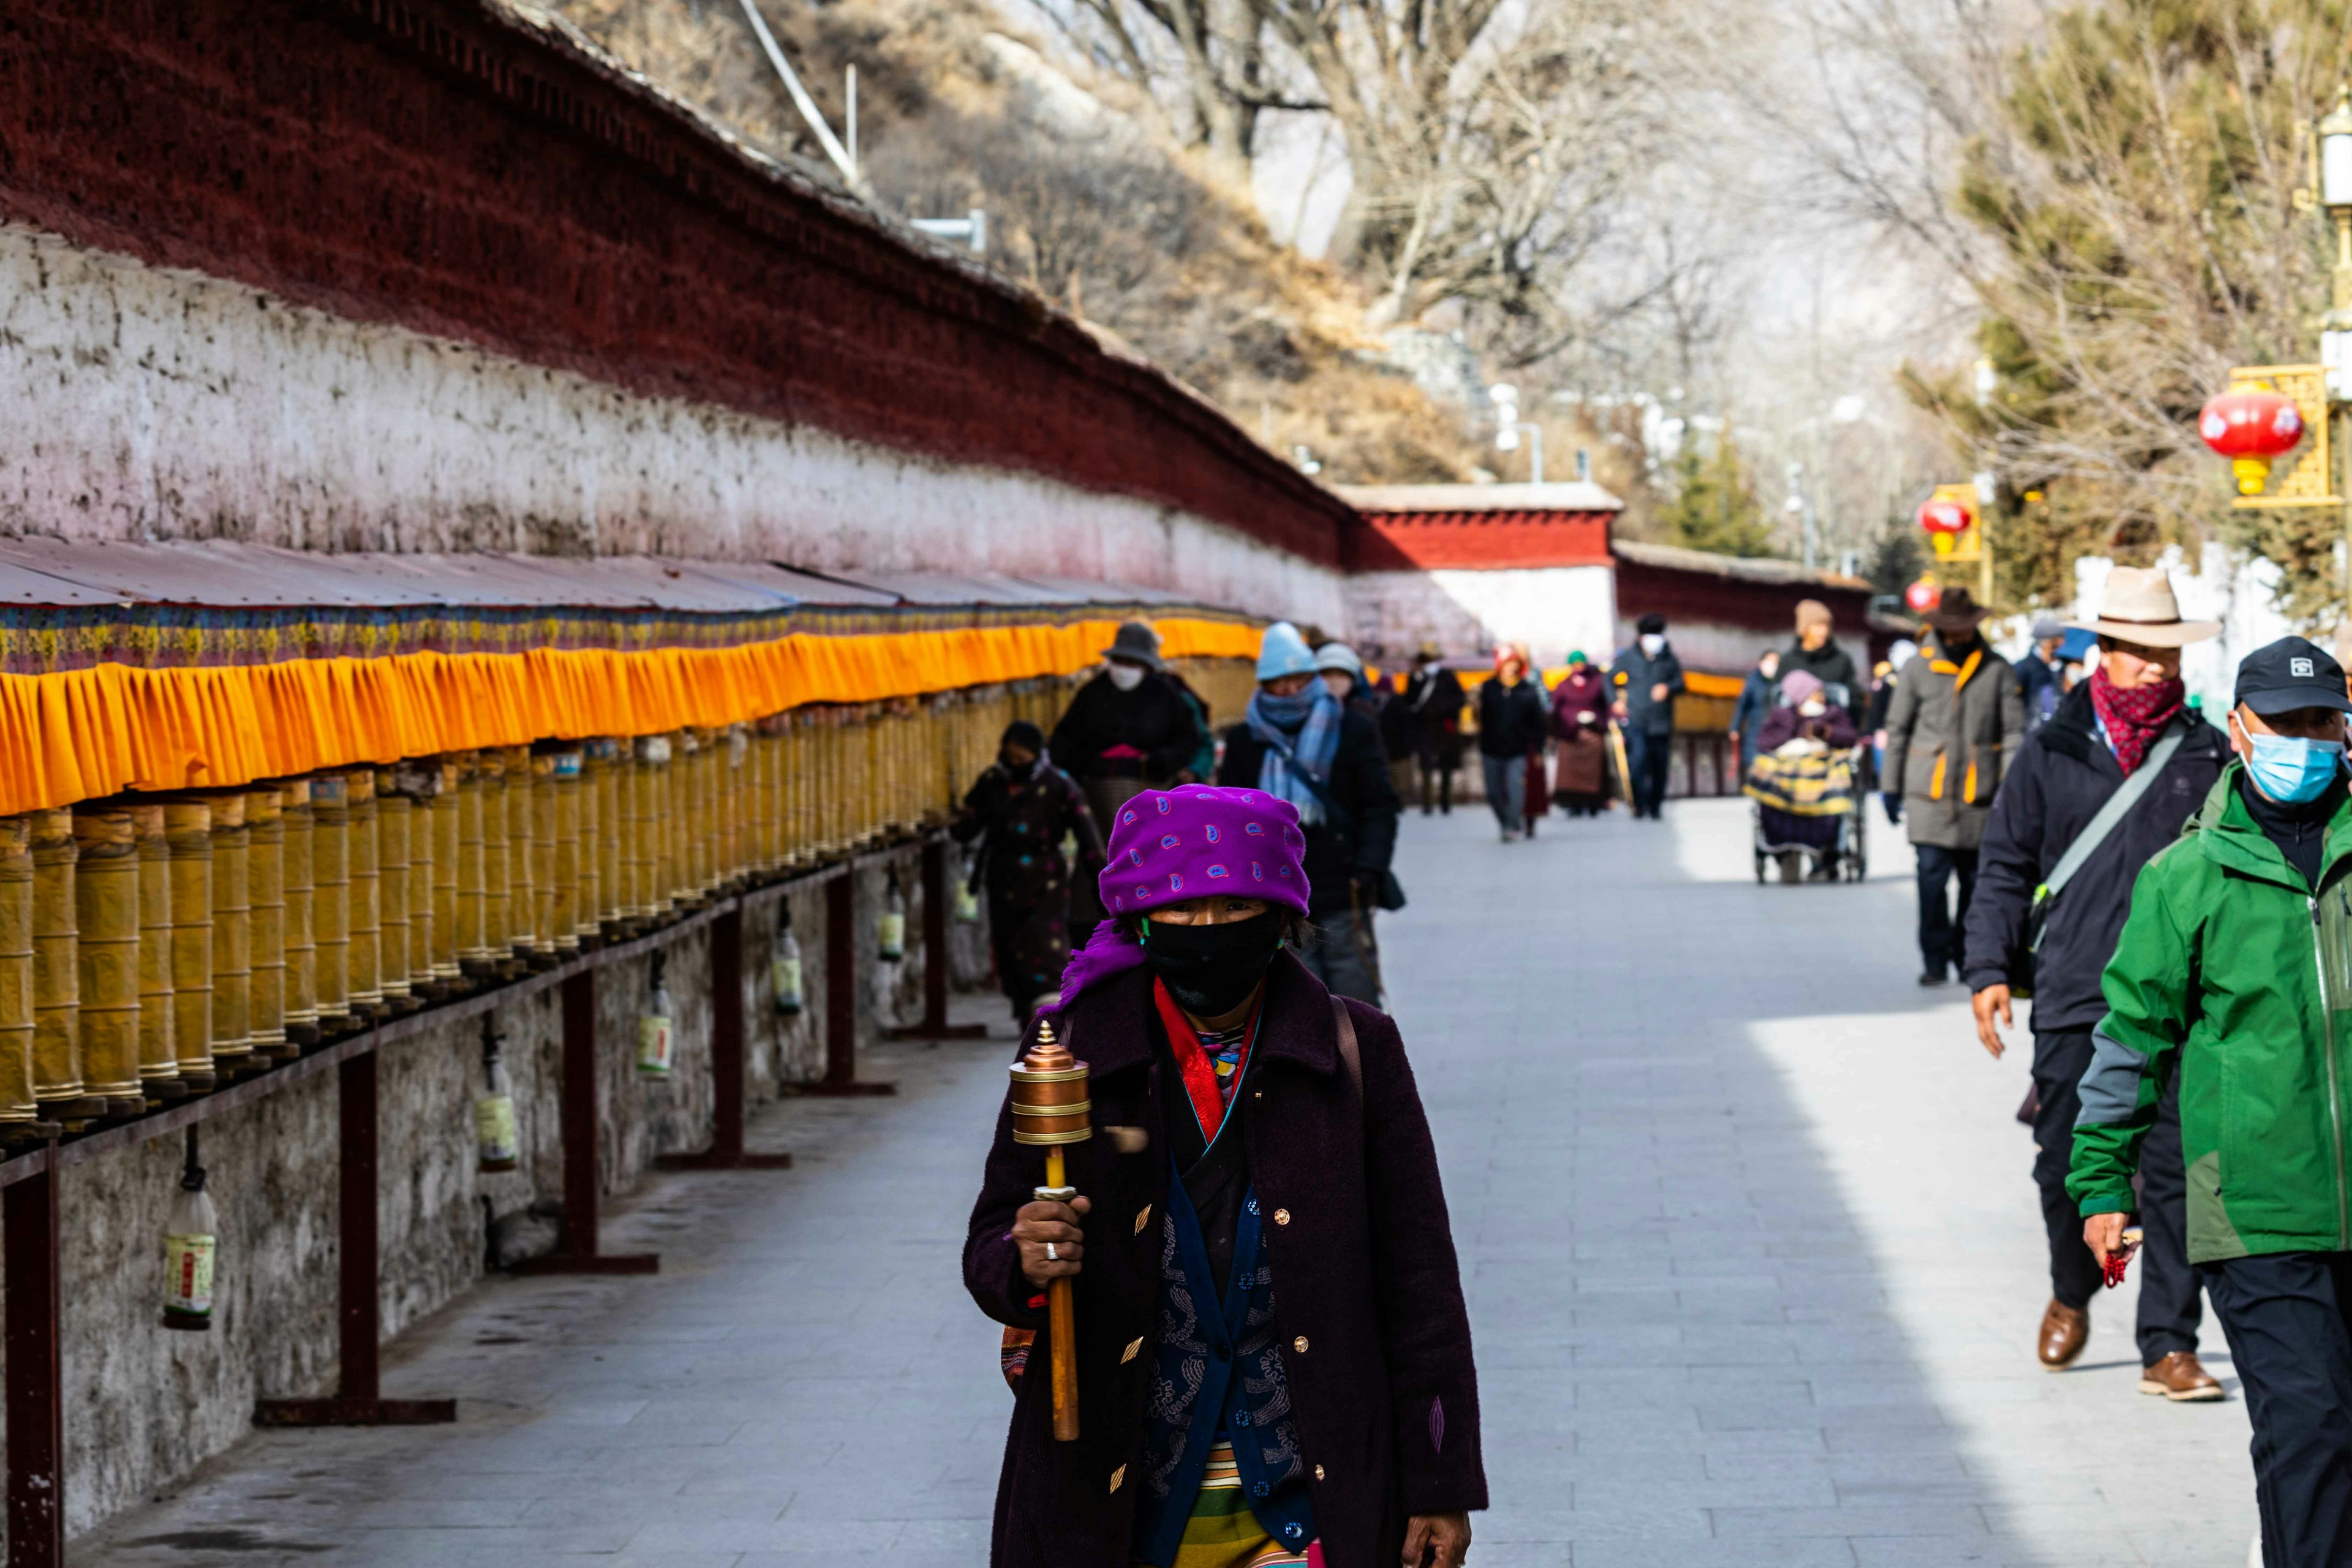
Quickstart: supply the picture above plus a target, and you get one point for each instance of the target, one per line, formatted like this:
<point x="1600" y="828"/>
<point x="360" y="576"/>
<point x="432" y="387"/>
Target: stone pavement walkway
<point x="1753" y="1257"/>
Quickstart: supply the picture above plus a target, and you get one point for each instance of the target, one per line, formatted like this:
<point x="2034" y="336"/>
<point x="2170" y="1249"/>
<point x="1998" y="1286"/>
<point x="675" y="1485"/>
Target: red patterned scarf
<point x="2135" y="718"/>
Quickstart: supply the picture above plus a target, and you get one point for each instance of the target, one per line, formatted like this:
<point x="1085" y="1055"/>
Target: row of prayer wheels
<point x="152" y="946"/>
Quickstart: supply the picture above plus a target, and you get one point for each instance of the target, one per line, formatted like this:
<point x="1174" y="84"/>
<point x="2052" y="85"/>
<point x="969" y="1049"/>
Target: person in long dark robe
<point x="1021" y="809"/>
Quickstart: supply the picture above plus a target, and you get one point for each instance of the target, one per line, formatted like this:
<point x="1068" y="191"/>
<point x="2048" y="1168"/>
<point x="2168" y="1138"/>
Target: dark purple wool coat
<point x="1367" y="1297"/>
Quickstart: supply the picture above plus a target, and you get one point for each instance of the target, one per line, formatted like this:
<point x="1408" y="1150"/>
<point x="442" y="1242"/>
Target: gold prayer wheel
<point x="331" y="898"/>
<point x="417" y="786"/>
<point x="159" y="1067"/>
<point x="394" y="812"/>
<point x="106" y="954"/>
<point x="522" y="833"/>
<point x="1049" y="1100"/>
<point x="188" y="835"/>
<point x="264" y="876"/>
<point x="475" y="959"/>
<point x="572" y="861"/>
<point x="448" y="978"/>
<point x="366" y="899"/>
<point x="601" y="852"/>
<point x="16" y="1104"/>
<point x="498" y="871"/>
<point x="648" y="795"/>
<point x="232" y="1041"/>
<point x="541" y="763"/>
<point x="301" y="944"/>
<point x="57" y="1086"/>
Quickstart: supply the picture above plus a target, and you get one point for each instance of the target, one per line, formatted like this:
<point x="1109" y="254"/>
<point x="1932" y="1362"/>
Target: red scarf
<point x="2135" y="718"/>
<point x="1192" y="1061"/>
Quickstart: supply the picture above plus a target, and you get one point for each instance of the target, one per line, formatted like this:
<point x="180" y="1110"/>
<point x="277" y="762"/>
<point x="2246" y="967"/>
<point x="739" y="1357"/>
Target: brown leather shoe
<point x="2065" y="1332"/>
<point x="2180" y="1379"/>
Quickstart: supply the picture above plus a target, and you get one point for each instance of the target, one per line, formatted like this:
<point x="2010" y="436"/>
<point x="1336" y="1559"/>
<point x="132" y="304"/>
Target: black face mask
<point x="1212" y="969"/>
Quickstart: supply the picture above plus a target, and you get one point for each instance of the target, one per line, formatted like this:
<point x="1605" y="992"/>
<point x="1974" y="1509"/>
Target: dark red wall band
<point x="441" y="165"/>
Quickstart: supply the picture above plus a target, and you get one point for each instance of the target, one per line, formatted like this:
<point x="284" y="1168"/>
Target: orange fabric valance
<point x="77" y="734"/>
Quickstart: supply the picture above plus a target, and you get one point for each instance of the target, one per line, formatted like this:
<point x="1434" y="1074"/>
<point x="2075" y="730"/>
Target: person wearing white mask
<point x="1127" y="729"/>
<point x="1647" y="677"/>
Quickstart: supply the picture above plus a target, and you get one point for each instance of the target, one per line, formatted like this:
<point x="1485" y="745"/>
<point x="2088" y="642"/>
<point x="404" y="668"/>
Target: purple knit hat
<point x="1189" y="842"/>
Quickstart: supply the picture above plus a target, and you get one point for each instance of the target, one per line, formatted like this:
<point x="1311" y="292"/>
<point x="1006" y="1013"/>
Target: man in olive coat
<point x="1956" y="719"/>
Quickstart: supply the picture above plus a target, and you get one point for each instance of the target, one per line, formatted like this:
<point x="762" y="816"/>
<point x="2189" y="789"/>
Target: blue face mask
<point x="2291" y="769"/>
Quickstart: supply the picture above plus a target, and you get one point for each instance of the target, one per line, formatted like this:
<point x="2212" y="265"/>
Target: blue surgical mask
<point x="2292" y="770"/>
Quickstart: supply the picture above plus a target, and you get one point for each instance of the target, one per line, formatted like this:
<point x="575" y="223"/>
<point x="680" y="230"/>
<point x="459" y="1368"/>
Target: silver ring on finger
<point x="1051" y="1255"/>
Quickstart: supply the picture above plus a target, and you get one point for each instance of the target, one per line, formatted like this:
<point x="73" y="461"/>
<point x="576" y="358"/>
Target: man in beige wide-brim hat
<point x="2128" y="726"/>
<point x="2138" y="608"/>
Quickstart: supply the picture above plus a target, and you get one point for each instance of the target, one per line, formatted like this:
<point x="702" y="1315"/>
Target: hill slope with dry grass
<point x="1084" y="205"/>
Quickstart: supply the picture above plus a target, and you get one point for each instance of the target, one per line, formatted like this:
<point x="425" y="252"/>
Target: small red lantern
<point x="1923" y="595"/>
<point x="2251" y="425"/>
<point x="1944" y="517"/>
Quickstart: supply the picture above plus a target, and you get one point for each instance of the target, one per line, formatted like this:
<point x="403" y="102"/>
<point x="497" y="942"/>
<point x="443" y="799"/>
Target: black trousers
<point x="1649" y="756"/>
<point x="2170" y="1310"/>
<point x="1940" y="926"/>
<point x="2284" y="1315"/>
<point x="1435" y="776"/>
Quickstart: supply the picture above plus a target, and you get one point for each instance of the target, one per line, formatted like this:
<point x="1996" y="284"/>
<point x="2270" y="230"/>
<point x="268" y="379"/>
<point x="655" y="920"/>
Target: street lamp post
<point x="2331" y="180"/>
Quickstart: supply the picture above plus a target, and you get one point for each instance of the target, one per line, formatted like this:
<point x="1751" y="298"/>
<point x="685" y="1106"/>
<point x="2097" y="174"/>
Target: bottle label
<point x="786" y="972"/>
<point x="894" y="936"/>
<point x="494" y="1128"/>
<point x="188" y="1274"/>
<point x="654" y="1045"/>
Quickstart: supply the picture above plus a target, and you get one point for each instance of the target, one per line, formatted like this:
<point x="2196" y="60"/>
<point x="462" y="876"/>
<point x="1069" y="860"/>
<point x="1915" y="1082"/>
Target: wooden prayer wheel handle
<point x="1050" y="1108"/>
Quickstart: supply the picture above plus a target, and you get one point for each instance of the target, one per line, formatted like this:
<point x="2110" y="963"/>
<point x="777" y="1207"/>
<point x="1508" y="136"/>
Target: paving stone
<point x="1751" y="1251"/>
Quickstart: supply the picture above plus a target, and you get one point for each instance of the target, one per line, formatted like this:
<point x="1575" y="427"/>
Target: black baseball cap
<point x="2291" y="673"/>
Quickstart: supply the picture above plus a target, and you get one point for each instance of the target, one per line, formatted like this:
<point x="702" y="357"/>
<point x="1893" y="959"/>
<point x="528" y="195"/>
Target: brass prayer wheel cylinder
<point x="1049" y="1095"/>
<point x="445" y="876"/>
<point x="543" y="834"/>
<point x="498" y="872"/>
<point x="57" y="984"/>
<point x="301" y="943"/>
<point x="232" y="932"/>
<point x="394" y="812"/>
<point x="418" y="785"/>
<point x="106" y="949"/>
<point x="17" y="970"/>
<point x="471" y="936"/>
<point x="188" y="833"/>
<point x="676" y="806"/>
<point x="648" y="801"/>
<point x="264" y="876"/>
<point x="366" y="896"/>
<point x="391" y="894"/>
<point x="600" y="857"/>
<point x="616" y="812"/>
<point x="522" y="833"/>
<point x="567" y="853"/>
<point x="331" y="897"/>
<point x="158" y="1064"/>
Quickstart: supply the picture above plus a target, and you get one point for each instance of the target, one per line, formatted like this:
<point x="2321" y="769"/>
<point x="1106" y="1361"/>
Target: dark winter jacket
<point x="1436" y="702"/>
<point x="1154" y="718"/>
<point x="1580" y="704"/>
<point x="1396" y="725"/>
<point x="1755" y="698"/>
<point x="1368" y="1294"/>
<point x="1512" y="720"/>
<point x="2062" y="775"/>
<point x="1353" y="843"/>
<point x="1832" y="665"/>
<point x="1633" y="673"/>
<point x="2042" y="689"/>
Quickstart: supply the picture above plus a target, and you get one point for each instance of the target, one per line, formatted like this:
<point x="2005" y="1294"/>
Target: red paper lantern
<point x="2250" y="425"/>
<point x="1945" y="516"/>
<point x="1923" y="595"/>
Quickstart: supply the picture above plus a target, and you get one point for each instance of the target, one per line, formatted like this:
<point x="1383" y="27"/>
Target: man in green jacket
<point x="2234" y="975"/>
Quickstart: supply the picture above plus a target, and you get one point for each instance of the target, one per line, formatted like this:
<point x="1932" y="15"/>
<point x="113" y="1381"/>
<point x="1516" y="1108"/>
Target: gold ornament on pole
<point x="1050" y="1108"/>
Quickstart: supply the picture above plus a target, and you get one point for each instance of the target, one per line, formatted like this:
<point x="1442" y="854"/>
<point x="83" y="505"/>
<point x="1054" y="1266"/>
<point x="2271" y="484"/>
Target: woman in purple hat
<point x="1274" y="1358"/>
